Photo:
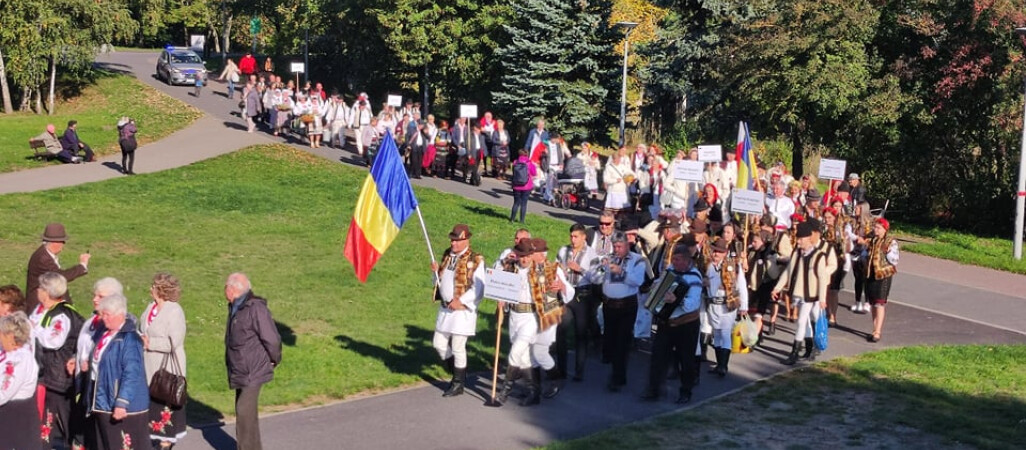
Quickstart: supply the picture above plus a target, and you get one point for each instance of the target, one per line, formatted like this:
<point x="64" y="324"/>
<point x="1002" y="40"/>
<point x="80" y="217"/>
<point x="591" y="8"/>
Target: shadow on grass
<point x="484" y="211"/>
<point x="414" y="356"/>
<point x="288" y="337"/>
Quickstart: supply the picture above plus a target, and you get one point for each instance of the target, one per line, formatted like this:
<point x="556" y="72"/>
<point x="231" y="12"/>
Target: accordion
<point x="667" y="282"/>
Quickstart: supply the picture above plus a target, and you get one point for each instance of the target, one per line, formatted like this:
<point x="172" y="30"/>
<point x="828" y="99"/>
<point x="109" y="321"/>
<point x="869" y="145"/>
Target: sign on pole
<point x="297" y="67"/>
<point x="197" y="42"/>
<point x="468" y="111"/>
<point x="688" y="170"/>
<point x="710" y="153"/>
<point x="395" y="100"/>
<point x="832" y="169"/>
<point x="746" y="201"/>
<point x="502" y="285"/>
<point x="254" y="25"/>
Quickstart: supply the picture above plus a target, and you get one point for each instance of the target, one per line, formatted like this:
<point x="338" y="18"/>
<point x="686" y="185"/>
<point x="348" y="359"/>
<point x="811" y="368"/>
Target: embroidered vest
<point x="463" y="275"/>
<point x="728" y="278"/>
<point x="546" y="305"/>
<point x="878" y="267"/>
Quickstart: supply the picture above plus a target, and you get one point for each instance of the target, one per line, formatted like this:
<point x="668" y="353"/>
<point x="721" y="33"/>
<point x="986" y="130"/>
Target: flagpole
<point x="424" y="229"/>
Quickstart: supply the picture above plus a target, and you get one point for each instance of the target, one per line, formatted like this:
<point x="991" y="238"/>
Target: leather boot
<point x="533" y="379"/>
<point x="449" y="364"/>
<point x="724" y="365"/>
<point x="717" y="352"/>
<point x="704" y="339"/>
<point x="512" y="373"/>
<point x="684" y="396"/>
<point x="810" y="346"/>
<point x="772" y="329"/>
<point x="793" y="357"/>
<point x="555" y="382"/>
<point x="459" y="378"/>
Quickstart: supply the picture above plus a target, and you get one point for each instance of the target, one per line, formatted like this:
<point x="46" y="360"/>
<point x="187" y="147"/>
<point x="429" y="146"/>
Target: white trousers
<point x="806" y="312"/>
<point x="451" y="345"/>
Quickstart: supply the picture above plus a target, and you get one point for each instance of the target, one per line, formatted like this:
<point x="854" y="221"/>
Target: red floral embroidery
<point x="44" y="429"/>
<point x="57" y="328"/>
<point x="126" y="441"/>
<point x="165" y="421"/>
<point x="8" y="374"/>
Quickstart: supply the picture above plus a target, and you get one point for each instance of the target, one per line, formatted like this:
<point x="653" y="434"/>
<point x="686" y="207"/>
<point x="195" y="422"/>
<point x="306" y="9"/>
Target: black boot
<point x="459" y="378"/>
<point x="793" y="357"/>
<point x="809" y="348"/>
<point x="684" y="396"/>
<point x="717" y="352"/>
<point x="772" y="329"/>
<point x="555" y="382"/>
<point x="512" y="373"/>
<point x="704" y="338"/>
<point x="724" y="362"/>
<point x="533" y="379"/>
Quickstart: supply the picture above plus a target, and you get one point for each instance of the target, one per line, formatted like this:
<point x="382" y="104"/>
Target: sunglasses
<point x="606" y="224"/>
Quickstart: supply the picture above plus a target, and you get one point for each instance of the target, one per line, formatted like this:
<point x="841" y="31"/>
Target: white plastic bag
<point x="749" y="332"/>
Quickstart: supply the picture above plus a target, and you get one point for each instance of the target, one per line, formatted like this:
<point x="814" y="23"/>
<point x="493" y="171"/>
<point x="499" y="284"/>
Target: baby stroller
<point x="570" y="193"/>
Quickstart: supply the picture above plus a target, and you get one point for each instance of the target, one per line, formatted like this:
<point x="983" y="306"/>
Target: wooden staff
<point x="495" y="363"/>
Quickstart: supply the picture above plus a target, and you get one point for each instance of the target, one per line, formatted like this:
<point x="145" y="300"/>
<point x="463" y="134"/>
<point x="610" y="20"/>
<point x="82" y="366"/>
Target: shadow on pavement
<point x="234" y="125"/>
<point x="114" y="166"/>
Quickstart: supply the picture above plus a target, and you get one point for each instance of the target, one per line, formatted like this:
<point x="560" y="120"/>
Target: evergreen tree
<point x="559" y="65"/>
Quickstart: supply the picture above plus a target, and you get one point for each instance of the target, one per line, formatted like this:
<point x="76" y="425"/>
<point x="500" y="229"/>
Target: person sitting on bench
<point x="73" y="145"/>
<point x="53" y="145"/>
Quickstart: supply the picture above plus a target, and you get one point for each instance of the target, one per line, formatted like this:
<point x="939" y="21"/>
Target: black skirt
<point x="19" y="425"/>
<point x="130" y="433"/>
<point x="878" y="289"/>
<point x="166" y="423"/>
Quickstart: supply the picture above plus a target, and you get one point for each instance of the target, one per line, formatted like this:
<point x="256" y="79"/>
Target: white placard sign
<point x="710" y="153"/>
<point x="395" y="100"/>
<point x="502" y="285"/>
<point x="745" y="201"/>
<point x="468" y="111"/>
<point x="832" y="169"/>
<point x="688" y="170"/>
<point x="297" y="67"/>
<point x="197" y="42"/>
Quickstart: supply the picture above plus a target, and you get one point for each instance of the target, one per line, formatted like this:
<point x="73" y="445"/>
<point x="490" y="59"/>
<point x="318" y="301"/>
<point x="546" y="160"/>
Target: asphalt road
<point x="933" y="302"/>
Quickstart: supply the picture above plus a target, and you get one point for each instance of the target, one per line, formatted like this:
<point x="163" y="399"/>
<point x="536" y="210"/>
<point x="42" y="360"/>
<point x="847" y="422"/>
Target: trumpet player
<point x="621" y="274"/>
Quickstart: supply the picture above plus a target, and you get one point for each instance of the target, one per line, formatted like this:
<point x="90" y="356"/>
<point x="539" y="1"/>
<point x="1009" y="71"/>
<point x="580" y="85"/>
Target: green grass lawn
<point x="97" y="110"/>
<point x="279" y="215"/>
<point x="913" y="397"/>
<point x="965" y="248"/>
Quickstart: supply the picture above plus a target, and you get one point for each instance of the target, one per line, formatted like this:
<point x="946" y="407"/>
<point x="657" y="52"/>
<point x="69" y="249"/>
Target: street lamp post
<point x="1020" y="192"/>
<point x="623" y="92"/>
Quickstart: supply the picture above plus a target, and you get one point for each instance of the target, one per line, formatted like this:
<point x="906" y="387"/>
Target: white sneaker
<point x="864" y="307"/>
<point x="856" y="307"/>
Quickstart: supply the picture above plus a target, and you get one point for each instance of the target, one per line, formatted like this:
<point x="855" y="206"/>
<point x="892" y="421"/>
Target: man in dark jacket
<point x="252" y="348"/>
<point x="72" y="144"/>
<point x="44" y="260"/>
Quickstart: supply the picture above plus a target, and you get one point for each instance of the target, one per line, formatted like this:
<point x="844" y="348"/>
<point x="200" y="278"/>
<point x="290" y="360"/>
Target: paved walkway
<point x="934" y="301"/>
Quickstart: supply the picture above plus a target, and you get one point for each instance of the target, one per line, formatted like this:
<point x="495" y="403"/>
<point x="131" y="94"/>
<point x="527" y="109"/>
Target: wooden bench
<point x="39" y="150"/>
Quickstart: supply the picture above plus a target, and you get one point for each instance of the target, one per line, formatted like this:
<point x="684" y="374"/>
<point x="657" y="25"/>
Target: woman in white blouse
<point x="162" y="326"/>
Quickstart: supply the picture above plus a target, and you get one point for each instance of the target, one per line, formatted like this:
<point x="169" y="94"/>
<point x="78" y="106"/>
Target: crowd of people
<point x="100" y="382"/>
<point x="677" y="278"/>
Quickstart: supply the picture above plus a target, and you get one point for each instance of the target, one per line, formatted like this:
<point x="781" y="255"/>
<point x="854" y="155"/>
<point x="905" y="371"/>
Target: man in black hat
<point x="460" y="287"/>
<point x="678" y="326"/>
<point x="726" y="295"/>
<point x="806" y="279"/>
<point x="44" y="260"/>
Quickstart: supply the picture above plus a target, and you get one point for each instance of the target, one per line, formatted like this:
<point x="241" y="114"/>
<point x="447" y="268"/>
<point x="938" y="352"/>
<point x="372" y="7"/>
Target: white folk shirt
<point x="85" y="345"/>
<point x="524" y="326"/>
<point x="719" y="316"/>
<point x="53" y="334"/>
<point x="19" y="374"/>
<point x="462" y="322"/>
<point x="586" y="258"/>
<point x="782" y="208"/>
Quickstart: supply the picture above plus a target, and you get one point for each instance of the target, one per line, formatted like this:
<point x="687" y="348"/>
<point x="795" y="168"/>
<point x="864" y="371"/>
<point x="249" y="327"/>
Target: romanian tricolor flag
<point x="747" y="168"/>
<point x="385" y="202"/>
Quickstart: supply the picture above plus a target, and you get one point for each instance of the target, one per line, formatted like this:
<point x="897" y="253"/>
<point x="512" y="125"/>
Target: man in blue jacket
<point x="252" y="348"/>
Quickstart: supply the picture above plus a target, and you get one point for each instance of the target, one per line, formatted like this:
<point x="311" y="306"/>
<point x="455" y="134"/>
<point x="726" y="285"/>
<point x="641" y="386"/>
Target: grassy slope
<point x="958" y="395"/>
<point x="993" y="253"/>
<point x="97" y="111"/>
<point x="280" y="215"/>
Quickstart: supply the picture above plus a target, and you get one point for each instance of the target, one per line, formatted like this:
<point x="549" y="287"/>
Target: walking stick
<point x="495" y="363"/>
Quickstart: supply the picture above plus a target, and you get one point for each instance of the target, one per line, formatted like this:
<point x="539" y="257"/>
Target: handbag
<point x="167" y="387"/>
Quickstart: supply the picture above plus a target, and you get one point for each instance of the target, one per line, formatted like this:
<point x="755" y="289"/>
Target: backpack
<point x="520" y="174"/>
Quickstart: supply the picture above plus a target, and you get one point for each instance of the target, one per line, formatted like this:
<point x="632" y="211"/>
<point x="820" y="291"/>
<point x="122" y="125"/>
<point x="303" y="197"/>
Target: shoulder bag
<point x="167" y="387"/>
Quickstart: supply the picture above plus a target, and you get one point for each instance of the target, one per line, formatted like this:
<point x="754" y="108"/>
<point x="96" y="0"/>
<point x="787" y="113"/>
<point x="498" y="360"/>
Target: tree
<point x="558" y="65"/>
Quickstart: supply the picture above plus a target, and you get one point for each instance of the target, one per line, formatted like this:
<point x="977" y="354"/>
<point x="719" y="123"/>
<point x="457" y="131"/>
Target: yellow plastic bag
<point x="736" y="346"/>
